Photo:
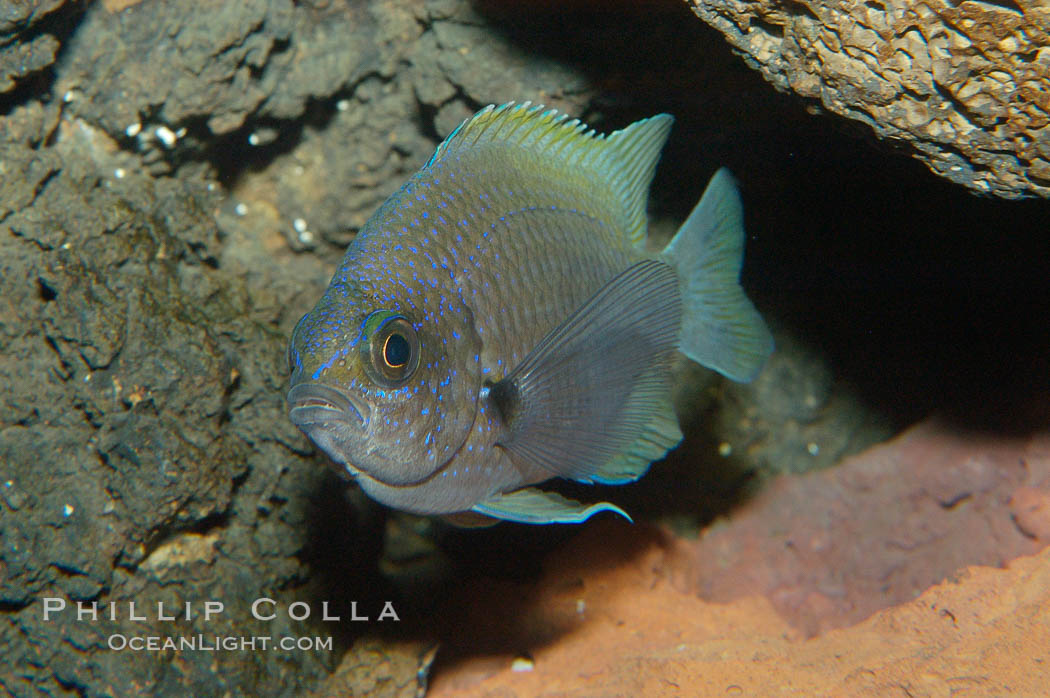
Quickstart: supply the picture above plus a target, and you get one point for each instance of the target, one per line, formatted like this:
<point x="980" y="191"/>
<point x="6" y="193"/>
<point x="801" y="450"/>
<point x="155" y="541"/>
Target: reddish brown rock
<point x="1031" y="512"/>
<point x="986" y="634"/>
<point x="842" y="582"/>
<point x="831" y="548"/>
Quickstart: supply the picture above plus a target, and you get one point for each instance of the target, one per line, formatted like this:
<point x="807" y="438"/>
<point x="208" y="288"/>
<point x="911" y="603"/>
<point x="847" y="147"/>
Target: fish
<point x="498" y="322"/>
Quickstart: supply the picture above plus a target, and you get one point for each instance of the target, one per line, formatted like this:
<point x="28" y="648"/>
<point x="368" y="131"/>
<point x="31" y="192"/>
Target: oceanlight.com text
<point x="216" y="643"/>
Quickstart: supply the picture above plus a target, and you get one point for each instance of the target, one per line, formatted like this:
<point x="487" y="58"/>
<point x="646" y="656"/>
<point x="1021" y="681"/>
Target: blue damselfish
<point x="498" y="321"/>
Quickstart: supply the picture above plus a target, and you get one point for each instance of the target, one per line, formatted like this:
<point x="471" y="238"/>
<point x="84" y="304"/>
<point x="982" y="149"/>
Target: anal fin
<point x="532" y="506"/>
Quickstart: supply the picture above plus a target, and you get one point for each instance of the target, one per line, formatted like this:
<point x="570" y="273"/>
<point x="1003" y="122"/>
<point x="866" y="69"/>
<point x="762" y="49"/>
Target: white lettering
<point x="53" y="605"/>
<point x="131" y="613"/>
<point x="160" y="612"/>
<point x="292" y="612"/>
<point x="353" y="612"/>
<point x="212" y="607"/>
<point x="255" y="609"/>
<point x="87" y="609"/>
<point x="117" y="642"/>
<point x="388" y="612"/>
<point x="324" y="612"/>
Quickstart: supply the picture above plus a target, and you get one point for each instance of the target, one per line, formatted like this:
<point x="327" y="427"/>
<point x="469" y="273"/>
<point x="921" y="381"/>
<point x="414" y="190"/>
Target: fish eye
<point x="396" y="351"/>
<point x="393" y="350"/>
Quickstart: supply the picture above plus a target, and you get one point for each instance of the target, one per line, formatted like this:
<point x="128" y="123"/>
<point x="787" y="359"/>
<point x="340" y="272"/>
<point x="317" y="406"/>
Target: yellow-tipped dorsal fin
<point x="618" y="166"/>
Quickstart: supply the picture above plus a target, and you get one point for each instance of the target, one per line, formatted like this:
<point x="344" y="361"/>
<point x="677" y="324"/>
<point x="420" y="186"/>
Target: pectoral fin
<point x="594" y="385"/>
<point x="533" y="506"/>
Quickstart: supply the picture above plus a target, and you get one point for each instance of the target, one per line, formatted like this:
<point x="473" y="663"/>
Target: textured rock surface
<point x="24" y="48"/>
<point x="136" y="462"/>
<point x="967" y="84"/>
<point x="830" y="584"/>
<point x="428" y="72"/>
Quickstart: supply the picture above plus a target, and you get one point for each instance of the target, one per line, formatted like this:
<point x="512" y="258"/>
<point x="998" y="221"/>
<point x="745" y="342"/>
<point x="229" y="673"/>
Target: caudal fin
<point x="721" y="329"/>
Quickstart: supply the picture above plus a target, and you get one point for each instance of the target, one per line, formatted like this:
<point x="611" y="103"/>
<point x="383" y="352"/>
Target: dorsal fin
<point x="618" y="167"/>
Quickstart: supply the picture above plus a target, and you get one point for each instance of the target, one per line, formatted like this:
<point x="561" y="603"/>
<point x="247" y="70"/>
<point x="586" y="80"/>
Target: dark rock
<point x="136" y="377"/>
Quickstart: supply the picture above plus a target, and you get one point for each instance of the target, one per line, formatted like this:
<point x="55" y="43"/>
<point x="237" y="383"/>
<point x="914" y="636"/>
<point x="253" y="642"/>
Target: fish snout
<point x="312" y="405"/>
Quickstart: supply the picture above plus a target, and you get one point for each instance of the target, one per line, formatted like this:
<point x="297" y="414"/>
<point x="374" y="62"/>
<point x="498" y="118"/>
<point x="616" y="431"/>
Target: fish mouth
<point x="312" y="405"/>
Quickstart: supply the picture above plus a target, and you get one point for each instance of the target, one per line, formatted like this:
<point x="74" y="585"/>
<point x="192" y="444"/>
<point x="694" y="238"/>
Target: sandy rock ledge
<point x="984" y="633"/>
